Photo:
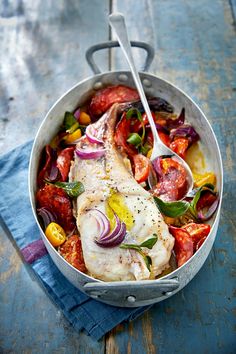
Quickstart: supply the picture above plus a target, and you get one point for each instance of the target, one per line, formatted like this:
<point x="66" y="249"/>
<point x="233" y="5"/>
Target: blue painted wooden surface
<point x="42" y="55"/>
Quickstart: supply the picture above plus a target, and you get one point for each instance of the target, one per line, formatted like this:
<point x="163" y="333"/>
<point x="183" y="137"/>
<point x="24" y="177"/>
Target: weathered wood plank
<point x="195" y="47"/>
<point x="42" y="48"/>
<point x="42" y="55"/>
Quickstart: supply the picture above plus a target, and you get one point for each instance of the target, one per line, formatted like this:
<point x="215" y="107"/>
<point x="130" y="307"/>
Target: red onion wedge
<point x="91" y="134"/>
<point x="102" y="222"/>
<point x="89" y="153"/>
<point x="77" y="114"/>
<point x="107" y="238"/>
<point x="208" y="214"/>
<point x="47" y="216"/>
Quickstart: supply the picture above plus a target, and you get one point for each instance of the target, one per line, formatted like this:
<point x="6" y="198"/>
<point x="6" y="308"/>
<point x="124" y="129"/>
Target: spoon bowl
<point x="117" y="22"/>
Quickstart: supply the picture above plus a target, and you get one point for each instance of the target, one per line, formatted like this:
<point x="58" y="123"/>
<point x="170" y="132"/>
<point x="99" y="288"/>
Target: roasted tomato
<point x="71" y="250"/>
<point x="180" y="146"/>
<point x="63" y="162"/>
<point x="104" y="99"/>
<point x="56" y="200"/>
<point x="164" y="138"/>
<point x="121" y="136"/>
<point x="197" y="231"/>
<point x="183" y="245"/>
<point x="141" y="168"/>
<point x="172" y="182"/>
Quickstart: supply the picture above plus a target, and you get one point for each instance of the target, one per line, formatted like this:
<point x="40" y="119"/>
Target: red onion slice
<point x="47" y="216"/>
<point x="77" y="114"/>
<point x="206" y="216"/>
<point x="102" y="221"/>
<point x="115" y="239"/>
<point x="91" y="133"/>
<point x="105" y="238"/>
<point x="89" y="154"/>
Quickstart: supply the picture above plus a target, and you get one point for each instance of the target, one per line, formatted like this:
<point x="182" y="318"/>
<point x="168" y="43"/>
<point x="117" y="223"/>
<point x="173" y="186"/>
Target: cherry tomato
<point x="180" y="146"/>
<point x="55" y="234"/>
<point x="56" y="200"/>
<point x="183" y="245"/>
<point x="121" y="136"/>
<point x="63" y="162"/>
<point x="71" y="250"/>
<point x="104" y="98"/>
<point x="141" y="168"/>
<point x="172" y="182"/>
<point x="197" y="231"/>
<point x="164" y="138"/>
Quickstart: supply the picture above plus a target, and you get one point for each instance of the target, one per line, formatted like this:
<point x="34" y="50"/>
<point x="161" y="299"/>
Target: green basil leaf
<point x="206" y="187"/>
<point x="69" y="120"/>
<point x="134" y="139"/>
<point x="172" y="209"/>
<point x="135" y="112"/>
<point x="73" y="189"/>
<point x="148" y="261"/>
<point x="130" y="246"/>
<point x="150" y="242"/>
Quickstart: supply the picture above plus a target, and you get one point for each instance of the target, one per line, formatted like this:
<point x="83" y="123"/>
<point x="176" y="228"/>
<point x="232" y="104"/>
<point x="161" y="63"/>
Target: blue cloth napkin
<point x="82" y="312"/>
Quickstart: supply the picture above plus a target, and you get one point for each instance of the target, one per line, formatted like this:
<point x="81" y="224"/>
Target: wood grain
<point x="195" y="44"/>
<point x="42" y="55"/>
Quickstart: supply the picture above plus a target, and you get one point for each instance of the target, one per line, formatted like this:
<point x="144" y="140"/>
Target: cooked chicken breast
<point x="100" y="177"/>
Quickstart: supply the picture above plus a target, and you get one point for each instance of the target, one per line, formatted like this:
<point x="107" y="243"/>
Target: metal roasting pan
<point x="128" y="293"/>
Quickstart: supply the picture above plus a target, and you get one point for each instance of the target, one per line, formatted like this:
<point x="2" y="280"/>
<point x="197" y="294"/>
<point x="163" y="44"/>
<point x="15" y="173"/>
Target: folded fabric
<point x="82" y="312"/>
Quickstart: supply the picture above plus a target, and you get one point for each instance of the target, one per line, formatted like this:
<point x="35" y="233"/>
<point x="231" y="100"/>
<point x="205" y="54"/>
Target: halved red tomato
<point x="180" y="146"/>
<point x="141" y="167"/>
<point x="183" y="245"/>
<point x="172" y="182"/>
<point x="104" y="98"/>
<point x="197" y="231"/>
<point x="165" y="138"/>
<point x="63" y="162"/>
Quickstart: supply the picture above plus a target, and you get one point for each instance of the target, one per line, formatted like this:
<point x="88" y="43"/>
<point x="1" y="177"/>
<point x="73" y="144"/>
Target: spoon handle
<point x="117" y="22"/>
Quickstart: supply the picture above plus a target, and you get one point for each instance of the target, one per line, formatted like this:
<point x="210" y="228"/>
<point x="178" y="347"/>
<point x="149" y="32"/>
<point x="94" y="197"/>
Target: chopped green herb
<point x="134" y="139"/>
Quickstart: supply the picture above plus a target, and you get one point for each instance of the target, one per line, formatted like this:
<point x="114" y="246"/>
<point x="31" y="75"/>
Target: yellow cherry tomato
<point x="55" y="234"/>
<point x="70" y="138"/>
<point x="201" y="179"/>
<point x="84" y="118"/>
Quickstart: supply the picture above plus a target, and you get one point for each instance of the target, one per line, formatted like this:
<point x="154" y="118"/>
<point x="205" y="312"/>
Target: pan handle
<point x="111" y="44"/>
<point x="132" y="293"/>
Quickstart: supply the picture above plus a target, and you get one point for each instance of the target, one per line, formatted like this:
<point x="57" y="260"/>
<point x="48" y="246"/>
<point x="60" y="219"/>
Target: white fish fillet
<point x="99" y="177"/>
